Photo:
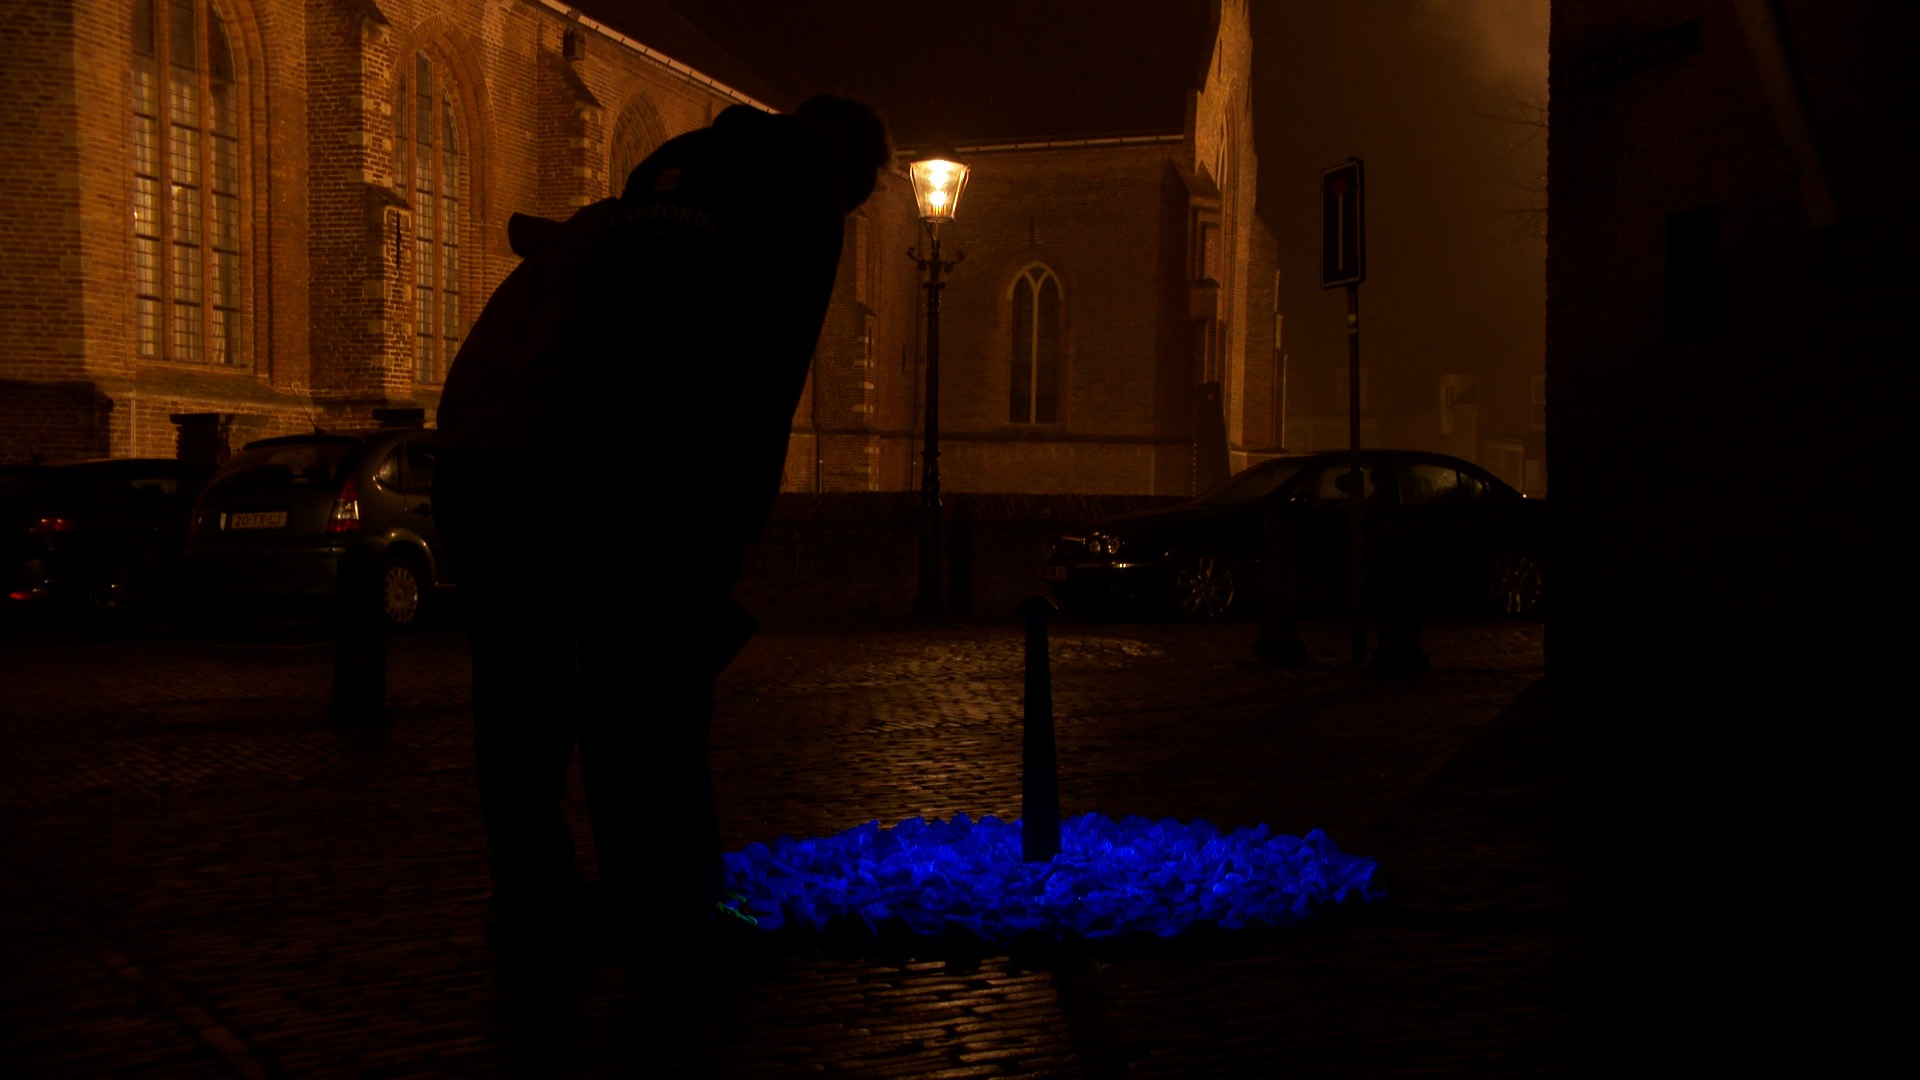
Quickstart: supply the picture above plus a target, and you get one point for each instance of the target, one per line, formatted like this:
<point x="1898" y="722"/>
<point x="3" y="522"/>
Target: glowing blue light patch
<point x="1110" y="879"/>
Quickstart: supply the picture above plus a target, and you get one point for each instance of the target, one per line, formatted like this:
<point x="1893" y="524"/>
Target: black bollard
<point x="1401" y="583"/>
<point x="359" y="640"/>
<point x="960" y="560"/>
<point x="1279" y="642"/>
<point x="1039" y="771"/>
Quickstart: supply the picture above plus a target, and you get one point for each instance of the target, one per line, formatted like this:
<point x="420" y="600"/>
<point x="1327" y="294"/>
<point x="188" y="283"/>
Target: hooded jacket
<point x="666" y="335"/>
<point x="500" y="393"/>
<point x="723" y="267"/>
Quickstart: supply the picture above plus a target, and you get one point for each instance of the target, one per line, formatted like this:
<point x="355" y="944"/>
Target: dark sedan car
<point x="272" y="525"/>
<point x="1479" y="540"/>
<point x="97" y="539"/>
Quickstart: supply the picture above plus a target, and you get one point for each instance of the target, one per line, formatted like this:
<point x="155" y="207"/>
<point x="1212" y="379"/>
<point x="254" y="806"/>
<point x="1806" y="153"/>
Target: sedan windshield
<point x="1249" y="484"/>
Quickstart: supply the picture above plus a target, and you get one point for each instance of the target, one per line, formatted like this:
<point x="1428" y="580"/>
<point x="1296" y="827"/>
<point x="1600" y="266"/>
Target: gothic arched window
<point x="427" y="172"/>
<point x="635" y="135"/>
<point x="186" y="185"/>
<point x="1033" y="395"/>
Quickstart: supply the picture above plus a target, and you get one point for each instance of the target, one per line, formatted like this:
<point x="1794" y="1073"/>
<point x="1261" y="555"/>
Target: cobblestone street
<point x="201" y="877"/>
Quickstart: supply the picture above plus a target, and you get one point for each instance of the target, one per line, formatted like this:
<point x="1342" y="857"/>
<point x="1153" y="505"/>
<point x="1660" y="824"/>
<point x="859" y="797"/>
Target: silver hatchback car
<point x="270" y="527"/>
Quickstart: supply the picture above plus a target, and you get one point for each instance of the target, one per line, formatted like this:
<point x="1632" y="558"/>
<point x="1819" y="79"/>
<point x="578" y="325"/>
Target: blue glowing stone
<point x="1111" y="879"/>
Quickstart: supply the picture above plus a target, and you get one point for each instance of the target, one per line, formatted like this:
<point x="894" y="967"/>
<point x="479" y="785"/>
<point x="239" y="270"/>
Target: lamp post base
<point x="928" y="604"/>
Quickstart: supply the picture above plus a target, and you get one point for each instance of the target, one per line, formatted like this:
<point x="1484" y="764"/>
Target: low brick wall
<point x="853" y="557"/>
<point x="53" y="421"/>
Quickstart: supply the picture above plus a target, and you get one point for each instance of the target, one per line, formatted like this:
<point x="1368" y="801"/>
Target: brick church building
<point x="252" y="217"/>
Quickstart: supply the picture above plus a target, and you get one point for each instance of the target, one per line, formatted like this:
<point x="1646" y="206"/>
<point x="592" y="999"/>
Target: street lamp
<point x="938" y="179"/>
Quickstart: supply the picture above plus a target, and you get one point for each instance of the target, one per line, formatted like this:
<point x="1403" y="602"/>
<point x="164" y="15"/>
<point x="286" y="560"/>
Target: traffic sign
<point x="1343" y="225"/>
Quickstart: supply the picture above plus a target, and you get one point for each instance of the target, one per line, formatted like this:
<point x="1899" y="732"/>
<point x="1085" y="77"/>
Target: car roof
<point x="1368" y="453"/>
<point x="137" y="465"/>
<point x="363" y="435"/>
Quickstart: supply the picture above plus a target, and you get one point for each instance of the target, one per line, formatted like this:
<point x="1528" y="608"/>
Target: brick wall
<point x="53" y="421"/>
<point x="329" y="255"/>
<point x="1223" y="145"/>
<point x="1113" y="223"/>
<point x="41" y="315"/>
<point x="1253" y="400"/>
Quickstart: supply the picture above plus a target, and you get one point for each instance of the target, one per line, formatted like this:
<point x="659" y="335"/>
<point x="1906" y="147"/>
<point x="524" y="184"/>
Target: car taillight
<point x="346" y="509"/>
<point x="51" y="525"/>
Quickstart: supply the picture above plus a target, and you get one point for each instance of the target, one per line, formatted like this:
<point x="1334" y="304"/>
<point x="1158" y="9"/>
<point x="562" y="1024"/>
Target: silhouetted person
<point x="615" y="435"/>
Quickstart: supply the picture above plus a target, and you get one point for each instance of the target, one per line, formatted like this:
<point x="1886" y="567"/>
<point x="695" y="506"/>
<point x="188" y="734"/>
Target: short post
<point x="1279" y="642"/>
<point x="1401" y="577"/>
<point x="1039" y="770"/>
<point x="359" y="640"/>
<point x="960" y="560"/>
<point x="201" y="437"/>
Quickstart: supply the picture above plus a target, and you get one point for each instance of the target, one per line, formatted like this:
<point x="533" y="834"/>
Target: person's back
<point x="501" y="391"/>
<point x="716" y="285"/>
<point x="705" y="312"/>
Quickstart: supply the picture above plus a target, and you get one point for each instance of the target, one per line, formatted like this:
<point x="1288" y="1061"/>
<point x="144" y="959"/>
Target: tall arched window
<point x="186" y="185"/>
<point x="1033" y="395"/>
<point x="635" y="135"/>
<point x="427" y="170"/>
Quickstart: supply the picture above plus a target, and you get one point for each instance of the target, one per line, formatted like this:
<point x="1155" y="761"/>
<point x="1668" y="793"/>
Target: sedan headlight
<point x="1101" y="543"/>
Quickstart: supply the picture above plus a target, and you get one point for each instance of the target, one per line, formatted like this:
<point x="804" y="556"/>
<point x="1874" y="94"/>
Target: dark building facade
<point x="272" y="215"/>
<point x="1727" y="289"/>
<point x="1729" y="335"/>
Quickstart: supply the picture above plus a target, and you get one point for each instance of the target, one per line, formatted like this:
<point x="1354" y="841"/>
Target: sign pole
<point x="1343" y="261"/>
<point x="1356" y="484"/>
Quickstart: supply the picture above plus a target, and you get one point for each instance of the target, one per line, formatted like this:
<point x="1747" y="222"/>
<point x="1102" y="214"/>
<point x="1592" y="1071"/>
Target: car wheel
<point x="1205" y="587"/>
<point x="403" y="593"/>
<point x="112" y="596"/>
<point x="112" y="590"/>
<point x="1514" y="585"/>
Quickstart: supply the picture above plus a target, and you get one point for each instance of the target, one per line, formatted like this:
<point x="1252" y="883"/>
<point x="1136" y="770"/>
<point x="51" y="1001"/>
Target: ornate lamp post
<point x="938" y="179"/>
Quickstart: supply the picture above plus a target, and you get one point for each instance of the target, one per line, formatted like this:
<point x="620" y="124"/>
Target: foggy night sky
<point x="1413" y="87"/>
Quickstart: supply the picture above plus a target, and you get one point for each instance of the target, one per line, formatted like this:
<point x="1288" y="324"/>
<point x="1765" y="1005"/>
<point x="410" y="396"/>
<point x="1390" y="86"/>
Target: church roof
<point x="977" y="72"/>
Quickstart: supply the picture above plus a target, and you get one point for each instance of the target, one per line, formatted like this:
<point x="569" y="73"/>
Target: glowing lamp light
<point x="938" y="181"/>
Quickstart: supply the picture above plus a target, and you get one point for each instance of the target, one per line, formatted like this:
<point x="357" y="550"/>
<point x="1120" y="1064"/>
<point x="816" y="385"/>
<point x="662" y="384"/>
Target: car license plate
<point x="262" y="519"/>
<point x="1055" y="573"/>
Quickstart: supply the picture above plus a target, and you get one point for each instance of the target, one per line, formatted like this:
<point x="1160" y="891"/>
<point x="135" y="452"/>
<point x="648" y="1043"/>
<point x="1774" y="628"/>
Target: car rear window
<point x="1256" y="482"/>
<point x="283" y="465"/>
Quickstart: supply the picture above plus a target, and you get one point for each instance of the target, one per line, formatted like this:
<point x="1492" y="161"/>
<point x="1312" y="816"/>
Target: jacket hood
<point x="735" y="118"/>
